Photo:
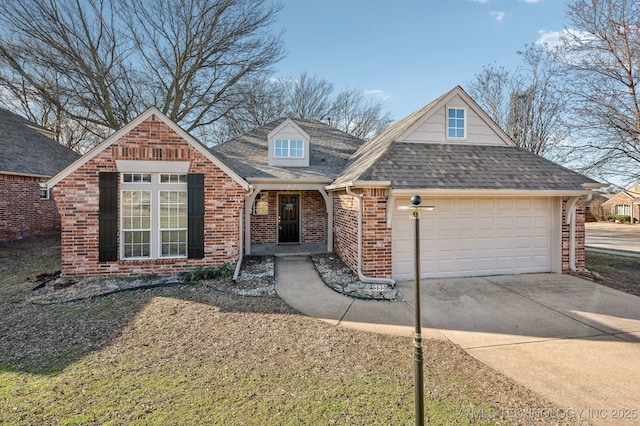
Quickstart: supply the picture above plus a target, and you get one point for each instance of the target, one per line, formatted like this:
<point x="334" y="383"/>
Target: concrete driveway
<point x="571" y="340"/>
<point x="612" y="236"/>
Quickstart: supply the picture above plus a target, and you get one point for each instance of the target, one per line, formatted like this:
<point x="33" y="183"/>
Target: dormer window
<point x="288" y="148"/>
<point x="288" y="145"/>
<point x="456" y="123"/>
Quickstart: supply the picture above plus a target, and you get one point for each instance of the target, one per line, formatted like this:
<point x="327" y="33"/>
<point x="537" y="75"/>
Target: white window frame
<point x="625" y="208"/>
<point x="174" y="182"/>
<point x="464" y="123"/>
<point x="289" y="149"/>
<point x="140" y="229"/>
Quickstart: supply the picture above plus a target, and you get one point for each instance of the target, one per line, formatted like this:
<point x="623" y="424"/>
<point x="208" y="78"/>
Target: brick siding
<point x="313" y="219"/>
<point x="345" y="228"/>
<point x="376" y="237"/>
<point x="22" y="212"/>
<point x="77" y="200"/>
<point x="579" y="238"/>
<point x="608" y="207"/>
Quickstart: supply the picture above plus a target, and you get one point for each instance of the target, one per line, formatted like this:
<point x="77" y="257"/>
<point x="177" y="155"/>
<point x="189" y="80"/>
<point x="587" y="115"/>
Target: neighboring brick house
<point x="625" y="203"/>
<point x="136" y="204"/>
<point x="28" y="156"/>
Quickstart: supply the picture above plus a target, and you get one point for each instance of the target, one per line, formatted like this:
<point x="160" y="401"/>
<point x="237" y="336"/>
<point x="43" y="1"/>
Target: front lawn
<point x="619" y="272"/>
<point x="193" y="355"/>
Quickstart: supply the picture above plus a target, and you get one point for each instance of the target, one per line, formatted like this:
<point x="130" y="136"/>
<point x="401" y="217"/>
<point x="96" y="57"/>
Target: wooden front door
<point x="288" y="218"/>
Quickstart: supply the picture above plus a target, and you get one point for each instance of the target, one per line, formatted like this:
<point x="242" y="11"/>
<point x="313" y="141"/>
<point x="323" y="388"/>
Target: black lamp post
<point x="415" y="209"/>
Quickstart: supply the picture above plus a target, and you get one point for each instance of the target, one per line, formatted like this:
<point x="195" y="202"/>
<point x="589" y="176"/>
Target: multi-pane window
<point x="173" y="223"/>
<point x="455" y="123"/>
<point x="288" y="148"/>
<point x="622" y="209"/>
<point x="136" y="223"/>
<point x="136" y="177"/>
<point x="154" y="215"/>
<point x="173" y="178"/>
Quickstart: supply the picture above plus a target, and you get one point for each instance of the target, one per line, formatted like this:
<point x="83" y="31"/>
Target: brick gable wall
<point x="77" y="200"/>
<point x="22" y="212"/>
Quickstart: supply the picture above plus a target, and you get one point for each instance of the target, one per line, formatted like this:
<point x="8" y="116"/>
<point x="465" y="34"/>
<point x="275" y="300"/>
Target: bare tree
<point x="114" y="58"/>
<point x="601" y="55"/>
<point x="362" y="117"/>
<point x="526" y="103"/>
<point x="308" y="97"/>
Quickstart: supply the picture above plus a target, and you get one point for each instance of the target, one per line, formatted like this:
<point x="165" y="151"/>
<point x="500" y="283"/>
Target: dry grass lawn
<point x="194" y="355"/>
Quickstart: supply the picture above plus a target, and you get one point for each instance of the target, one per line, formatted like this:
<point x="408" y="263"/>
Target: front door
<point x="288" y="218"/>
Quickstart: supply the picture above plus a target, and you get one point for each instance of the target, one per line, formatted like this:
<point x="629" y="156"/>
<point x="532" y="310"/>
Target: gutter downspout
<point x="236" y="273"/>
<point x="361" y="276"/>
<point x="571" y="218"/>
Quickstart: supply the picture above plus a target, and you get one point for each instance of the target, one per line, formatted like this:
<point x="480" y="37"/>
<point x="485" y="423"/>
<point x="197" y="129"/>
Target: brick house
<point x="153" y="199"/>
<point x="626" y="203"/>
<point x="28" y="156"/>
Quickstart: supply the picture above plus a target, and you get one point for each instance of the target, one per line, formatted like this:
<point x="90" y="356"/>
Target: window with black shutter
<point x="195" y="184"/>
<point x="108" y="217"/>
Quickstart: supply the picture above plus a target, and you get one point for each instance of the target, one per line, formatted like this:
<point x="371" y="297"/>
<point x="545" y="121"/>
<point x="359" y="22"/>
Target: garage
<point x="476" y="236"/>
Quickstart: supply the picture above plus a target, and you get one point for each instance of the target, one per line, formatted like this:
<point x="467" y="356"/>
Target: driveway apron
<point x="571" y="340"/>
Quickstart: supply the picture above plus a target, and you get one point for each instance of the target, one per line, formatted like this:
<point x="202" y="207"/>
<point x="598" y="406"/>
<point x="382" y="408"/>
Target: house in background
<point x="28" y="156"/>
<point x="593" y="210"/>
<point x="152" y="199"/>
<point x="626" y="203"/>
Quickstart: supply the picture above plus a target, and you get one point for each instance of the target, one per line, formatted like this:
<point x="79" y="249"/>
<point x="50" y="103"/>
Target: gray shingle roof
<point x="371" y="151"/>
<point x="454" y="166"/>
<point x="329" y="151"/>
<point x="24" y="150"/>
<point x="449" y="166"/>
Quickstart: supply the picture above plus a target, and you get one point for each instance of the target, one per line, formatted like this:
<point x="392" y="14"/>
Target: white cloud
<point x="377" y="93"/>
<point x="552" y="39"/>
<point x="498" y="15"/>
<point x="549" y="38"/>
<point x="529" y="1"/>
<point x="479" y="1"/>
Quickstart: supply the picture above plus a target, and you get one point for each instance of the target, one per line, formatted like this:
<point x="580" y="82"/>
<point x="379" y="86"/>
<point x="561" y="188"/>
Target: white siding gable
<point x="288" y="130"/>
<point x="479" y="128"/>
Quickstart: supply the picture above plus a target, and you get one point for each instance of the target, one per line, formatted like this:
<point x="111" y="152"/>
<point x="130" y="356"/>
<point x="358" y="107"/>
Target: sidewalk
<point x="300" y="286"/>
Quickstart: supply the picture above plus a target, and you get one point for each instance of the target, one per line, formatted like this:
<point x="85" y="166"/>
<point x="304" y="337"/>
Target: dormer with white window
<point x="288" y="145"/>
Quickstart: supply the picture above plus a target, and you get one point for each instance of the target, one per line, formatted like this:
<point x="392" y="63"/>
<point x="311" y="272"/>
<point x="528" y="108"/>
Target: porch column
<point x="248" y="210"/>
<point x="328" y="202"/>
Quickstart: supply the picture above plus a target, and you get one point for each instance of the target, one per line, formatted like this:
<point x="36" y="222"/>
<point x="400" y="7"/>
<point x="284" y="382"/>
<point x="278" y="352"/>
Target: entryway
<point x="288" y="218"/>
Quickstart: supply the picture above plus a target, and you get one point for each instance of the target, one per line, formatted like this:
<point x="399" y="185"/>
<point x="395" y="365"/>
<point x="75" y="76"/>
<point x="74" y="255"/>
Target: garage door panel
<point x="475" y="236"/>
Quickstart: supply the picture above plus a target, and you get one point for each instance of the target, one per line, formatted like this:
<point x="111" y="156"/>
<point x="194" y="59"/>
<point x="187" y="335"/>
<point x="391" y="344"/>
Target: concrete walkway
<point x="571" y="340"/>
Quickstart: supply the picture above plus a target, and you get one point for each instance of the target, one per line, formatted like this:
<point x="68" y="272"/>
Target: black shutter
<point x="195" y="238"/>
<point x="108" y="217"/>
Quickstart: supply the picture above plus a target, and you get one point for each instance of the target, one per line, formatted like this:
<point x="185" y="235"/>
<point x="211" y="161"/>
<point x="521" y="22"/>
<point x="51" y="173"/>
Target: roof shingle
<point x="446" y="166"/>
<point x="329" y="151"/>
<point x="24" y="150"/>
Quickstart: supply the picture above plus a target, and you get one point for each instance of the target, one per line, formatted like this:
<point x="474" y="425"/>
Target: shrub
<point x="617" y="217"/>
<point x="223" y="271"/>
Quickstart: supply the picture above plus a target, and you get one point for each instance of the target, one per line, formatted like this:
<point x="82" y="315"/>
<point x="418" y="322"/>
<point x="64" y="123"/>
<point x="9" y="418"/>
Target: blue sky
<point x="408" y="52"/>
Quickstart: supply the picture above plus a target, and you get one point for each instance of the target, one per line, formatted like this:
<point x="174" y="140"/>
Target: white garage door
<point x="475" y="237"/>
